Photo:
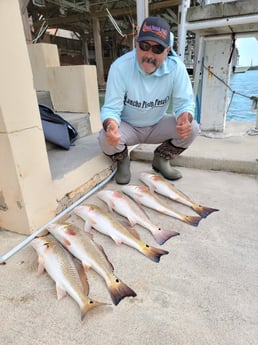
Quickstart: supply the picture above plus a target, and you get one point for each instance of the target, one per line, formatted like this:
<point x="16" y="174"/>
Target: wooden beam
<point x="164" y="4"/>
<point x="116" y="12"/>
<point x="68" y="20"/>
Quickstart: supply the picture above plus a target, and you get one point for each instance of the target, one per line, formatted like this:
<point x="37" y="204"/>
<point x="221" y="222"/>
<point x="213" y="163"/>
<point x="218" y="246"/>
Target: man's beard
<point x="150" y="60"/>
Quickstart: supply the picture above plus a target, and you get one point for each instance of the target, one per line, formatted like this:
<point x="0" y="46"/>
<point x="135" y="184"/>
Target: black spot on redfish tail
<point x="192" y="220"/>
<point x="153" y="253"/>
<point x="204" y="211"/>
<point x="119" y="290"/>
<point x="89" y="304"/>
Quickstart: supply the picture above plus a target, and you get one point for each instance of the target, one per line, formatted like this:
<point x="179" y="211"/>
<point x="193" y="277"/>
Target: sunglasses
<point x="156" y="49"/>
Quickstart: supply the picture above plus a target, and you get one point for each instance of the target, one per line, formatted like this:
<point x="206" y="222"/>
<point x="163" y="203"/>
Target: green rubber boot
<point x="163" y="155"/>
<point x="163" y="166"/>
<point x="123" y="174"/>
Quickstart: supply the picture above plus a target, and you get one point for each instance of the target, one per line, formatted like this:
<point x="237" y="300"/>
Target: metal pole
<point x="182" y="29"/>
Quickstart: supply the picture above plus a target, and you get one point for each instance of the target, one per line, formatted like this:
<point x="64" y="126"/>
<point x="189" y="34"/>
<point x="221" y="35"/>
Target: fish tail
<point x="192" y="220"/>
<point x="119" y="290"/>
<point x="161" y="235"/>
<point x="204" y="211"/>
<point x="153" y="253"/>
<point x="88" y="305"/>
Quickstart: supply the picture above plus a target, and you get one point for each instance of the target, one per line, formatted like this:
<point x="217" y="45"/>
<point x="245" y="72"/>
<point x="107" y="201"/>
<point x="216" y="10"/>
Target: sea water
<point x="240" y="108"/>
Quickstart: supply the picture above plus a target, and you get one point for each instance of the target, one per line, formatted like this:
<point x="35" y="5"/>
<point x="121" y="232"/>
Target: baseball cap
<point x="155" y="29"/>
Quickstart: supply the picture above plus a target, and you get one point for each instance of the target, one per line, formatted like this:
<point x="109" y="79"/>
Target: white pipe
<point x="215" y="23"/>
<point x="182" y="29"/>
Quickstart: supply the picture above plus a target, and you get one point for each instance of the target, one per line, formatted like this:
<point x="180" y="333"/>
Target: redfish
<point x="126" y="207"/>
<point x="159" y="185"/>
<point x="92" y="255"/>
<point x="61" y="268"/>
<point x="102" y="221"/>
<point x="143" y="196"/>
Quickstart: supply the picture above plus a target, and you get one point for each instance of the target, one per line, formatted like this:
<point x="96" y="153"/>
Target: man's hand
<point x="183" y="125"/>
<point x="112" y="133"/>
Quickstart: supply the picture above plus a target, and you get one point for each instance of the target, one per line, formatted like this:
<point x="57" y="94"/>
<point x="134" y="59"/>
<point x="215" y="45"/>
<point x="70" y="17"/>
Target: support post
<point x="142" y="11"/>
<point x="27" y="199"/>
<point x="216" y="77"/>
<point x="98" y="52"/>
<point x="182" y="30"/>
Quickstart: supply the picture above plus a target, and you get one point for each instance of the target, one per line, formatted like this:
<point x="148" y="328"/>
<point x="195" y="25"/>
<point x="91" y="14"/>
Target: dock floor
<point x="203" y="292"/>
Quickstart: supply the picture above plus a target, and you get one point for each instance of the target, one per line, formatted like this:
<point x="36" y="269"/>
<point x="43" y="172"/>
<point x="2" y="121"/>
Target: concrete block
<point x="44" y="98"/>
<point x="42" y="56"/>
<point x="19" y="114"/>
<point x="241" y="7"/>
<point x="17" y="96"/>
<point x="75" y="89"/>
<point x="80" y="121"/>
<point x="197" y="13"/>
<point x="27" y="198"/>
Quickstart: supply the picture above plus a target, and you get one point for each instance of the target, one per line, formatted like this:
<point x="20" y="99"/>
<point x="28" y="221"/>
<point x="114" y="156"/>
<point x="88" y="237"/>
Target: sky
<point x="248" y="51"/>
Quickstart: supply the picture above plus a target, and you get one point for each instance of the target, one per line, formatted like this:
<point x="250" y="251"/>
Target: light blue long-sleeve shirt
<point x="141" y="99"/>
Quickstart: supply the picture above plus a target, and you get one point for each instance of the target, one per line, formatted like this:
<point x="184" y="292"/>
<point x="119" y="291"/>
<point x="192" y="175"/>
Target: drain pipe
<point x="60" y="215"/>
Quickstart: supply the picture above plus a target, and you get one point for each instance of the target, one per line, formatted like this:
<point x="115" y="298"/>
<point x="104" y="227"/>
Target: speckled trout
<point x="92" y="255"/>
<point x="144" y="196"/>
<point x="126" y="207"/>
<point x="105" y="223"/>
<point x="61" y="268"/>
<point x="159" y="185"/>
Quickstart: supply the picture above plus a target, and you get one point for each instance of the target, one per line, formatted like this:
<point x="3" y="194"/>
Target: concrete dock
<point x="204" y="292"/>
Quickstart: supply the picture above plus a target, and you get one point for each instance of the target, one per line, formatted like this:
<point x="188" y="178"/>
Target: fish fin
<point x="41" y="267"/>
<point x="87" y="226"/>
<point x="151" y="187"/>
<point x="88" y="305"/>
<point x="85" y="266"/>
<point x="119" y="290"/>
<point x="139" y="205"/>
<point x="61" y="293"/>
<point x="204" y="211"/>
<point x="103" y="252"/>
<point x="110" y="206"/>
<point x="117" y="241"/>
<point x="153" y="253"/>
<point x="161" y="235"/>
<point x="130" y="223"/>
<point x="133" y="232"/>
<point x="82" y="275"/>
<point x="90" y="235"/>
<point x="192" y="220"/>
